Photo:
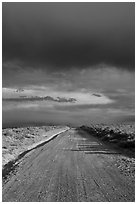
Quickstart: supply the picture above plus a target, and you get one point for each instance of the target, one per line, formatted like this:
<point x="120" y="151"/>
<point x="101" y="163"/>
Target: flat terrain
<point x="75" y="166"/>
<point x="17" y="140"/>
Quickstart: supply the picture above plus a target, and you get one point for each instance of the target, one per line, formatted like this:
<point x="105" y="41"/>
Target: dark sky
<point x="69" y="50"/>
<point x="64" y="35"/>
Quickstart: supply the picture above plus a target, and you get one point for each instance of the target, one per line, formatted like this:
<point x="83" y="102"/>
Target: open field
<point x="16" y="140"/>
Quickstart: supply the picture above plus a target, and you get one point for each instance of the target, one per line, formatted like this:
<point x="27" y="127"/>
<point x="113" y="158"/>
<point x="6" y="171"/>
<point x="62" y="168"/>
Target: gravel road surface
<point x="73" y="167"/>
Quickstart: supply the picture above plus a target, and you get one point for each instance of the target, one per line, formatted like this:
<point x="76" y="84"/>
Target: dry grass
<point x="15" y="140"/>
<point x="122" y="135"/>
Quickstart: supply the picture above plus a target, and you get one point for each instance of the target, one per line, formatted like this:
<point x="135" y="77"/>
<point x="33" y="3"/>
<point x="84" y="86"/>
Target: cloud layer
<point x="66" y="35"/>
<point x="81" y="51"/>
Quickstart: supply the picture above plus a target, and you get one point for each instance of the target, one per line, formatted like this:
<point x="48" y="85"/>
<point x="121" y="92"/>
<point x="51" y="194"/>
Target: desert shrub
<point x="127" y="144"/>
<point x="123" y="135"/>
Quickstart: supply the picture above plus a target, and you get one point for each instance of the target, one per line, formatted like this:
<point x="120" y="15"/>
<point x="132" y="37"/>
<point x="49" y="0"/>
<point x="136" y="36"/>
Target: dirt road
<point x="72" y="167"/>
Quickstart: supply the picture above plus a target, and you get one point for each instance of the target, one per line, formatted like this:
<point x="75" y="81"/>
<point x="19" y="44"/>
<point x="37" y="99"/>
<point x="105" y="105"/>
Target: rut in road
<point x="73" y="167"/>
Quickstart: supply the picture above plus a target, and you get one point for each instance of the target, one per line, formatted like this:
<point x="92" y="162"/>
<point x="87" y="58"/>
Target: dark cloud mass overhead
<point x="60" y="35"/>
<point x="68" y="62"/>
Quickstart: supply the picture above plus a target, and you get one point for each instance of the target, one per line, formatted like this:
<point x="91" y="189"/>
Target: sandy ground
<point x="16" y="140"/>
<point x="73" y="167"/>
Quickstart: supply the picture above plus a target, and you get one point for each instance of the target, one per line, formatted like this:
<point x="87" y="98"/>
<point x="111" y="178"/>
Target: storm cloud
<point x="79" y="57"/>
<point x="67" y="35"/>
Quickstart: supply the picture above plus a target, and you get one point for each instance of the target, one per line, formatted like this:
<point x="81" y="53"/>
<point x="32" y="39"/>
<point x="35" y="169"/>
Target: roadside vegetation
<point x="16" y="140"/>
<point x="122" y="135"/>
